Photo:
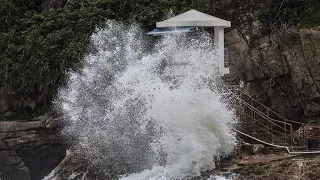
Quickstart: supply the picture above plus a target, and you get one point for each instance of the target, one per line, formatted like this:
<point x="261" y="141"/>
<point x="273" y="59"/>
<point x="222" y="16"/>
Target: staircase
<point x="264" y="124"/>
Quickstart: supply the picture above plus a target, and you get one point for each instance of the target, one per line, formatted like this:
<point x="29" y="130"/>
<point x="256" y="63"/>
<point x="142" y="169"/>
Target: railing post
<point x="271" y="133"/>
<point x="269" y="125"/>
<point x="304" y="135"/>
<point x="307" y="136"/>
<point x="239" y="99"/>
<point x="254" y="123"/>
<point x="285" y="131"/>
<point x="254" y="127"/>
<point x="268" y="122"/>
<point x="243" y="115"/>
<point x="240" y="106"/>
<point x="291" y="134"/>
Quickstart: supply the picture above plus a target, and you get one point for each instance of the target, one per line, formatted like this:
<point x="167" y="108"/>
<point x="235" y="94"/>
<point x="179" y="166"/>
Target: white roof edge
<point x="194" y="18"/>
<point x="163" y="24"/>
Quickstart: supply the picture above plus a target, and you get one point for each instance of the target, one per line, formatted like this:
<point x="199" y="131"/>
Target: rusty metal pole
<point x="271" y="133"/>
<point x="268" y="123"/>
<point x="243" y="115"/>
<point x="254" y="126"/>
<point x="254" y="121"/>
<point x="239" y="109"/>
<point x="285" y="131"/>
<point x="304" y="135"/>
<point x="241" y="103"/>
<point x="291" y="131"/>
<point x="307" y="136"/>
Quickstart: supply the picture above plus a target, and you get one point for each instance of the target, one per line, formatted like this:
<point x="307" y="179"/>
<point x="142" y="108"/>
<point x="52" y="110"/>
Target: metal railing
<point x="277" y="146"/>
<point x="280" y="128"/>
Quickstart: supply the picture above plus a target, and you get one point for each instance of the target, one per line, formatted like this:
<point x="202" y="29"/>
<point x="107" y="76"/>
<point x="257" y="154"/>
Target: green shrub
<point x="38" y="47"/>
<point x="293" y="12"/>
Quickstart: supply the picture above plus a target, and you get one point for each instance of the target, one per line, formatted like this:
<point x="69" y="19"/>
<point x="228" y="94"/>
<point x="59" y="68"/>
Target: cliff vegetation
<point x="41" y="40"/>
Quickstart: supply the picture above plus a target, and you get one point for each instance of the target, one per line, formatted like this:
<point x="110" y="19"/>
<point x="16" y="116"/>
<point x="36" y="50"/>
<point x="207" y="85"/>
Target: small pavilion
<point x="195" y="18"/>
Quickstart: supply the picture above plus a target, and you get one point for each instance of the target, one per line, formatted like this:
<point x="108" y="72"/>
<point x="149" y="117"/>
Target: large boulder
<point x="77" y="166"/>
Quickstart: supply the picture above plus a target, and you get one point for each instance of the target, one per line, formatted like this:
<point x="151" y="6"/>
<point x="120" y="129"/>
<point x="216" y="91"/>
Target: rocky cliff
<point x="29" y="149"/>
<point x="279" y="64"/>
<point x="281" y="71"/>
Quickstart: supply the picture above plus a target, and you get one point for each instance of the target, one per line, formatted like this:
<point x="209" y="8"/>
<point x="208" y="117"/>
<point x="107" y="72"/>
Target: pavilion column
<point x="195" y="18"/>
<point x="219" y="42"/>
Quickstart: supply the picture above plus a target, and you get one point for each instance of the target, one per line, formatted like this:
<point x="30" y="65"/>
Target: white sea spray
<point x="125" y="115"/>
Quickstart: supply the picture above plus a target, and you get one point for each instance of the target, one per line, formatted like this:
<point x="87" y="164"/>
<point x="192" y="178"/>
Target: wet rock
<point x="253" y="148"/>
<point x="12" y="166"/>
<point x="4" y="102"/>
<point x="29" y="150"/>
<point x="3" y="145"/>
<point x="8" y="114"/>
<point x="76" y="166"/>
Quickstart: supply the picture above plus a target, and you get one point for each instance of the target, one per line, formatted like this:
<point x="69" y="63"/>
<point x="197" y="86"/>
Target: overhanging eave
<point x="164" y="24"/>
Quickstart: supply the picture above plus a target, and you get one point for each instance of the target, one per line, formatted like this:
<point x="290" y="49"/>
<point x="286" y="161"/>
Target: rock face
<point x="4" y="102"/>
<point x="280" y="65"/>
<point x="29" y="149"/>
<point x="281" y="70"/>
<point x="77" y="166"/>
